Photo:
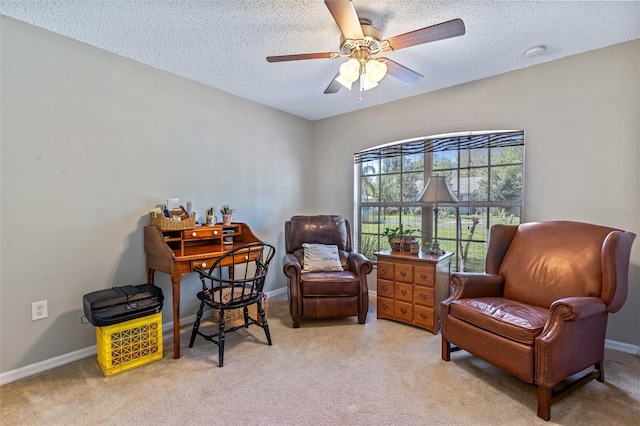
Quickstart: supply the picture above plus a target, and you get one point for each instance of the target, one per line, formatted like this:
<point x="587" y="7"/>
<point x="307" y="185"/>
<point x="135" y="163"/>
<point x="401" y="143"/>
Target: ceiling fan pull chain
<point x="362" y="71"/>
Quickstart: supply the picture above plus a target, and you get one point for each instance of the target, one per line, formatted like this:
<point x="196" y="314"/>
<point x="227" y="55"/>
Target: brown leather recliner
<point x="333" y="294"/>
<point x="540" y="310"/>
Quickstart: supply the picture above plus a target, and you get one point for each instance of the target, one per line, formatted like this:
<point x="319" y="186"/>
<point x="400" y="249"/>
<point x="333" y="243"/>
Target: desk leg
<point x="175" y="285"/>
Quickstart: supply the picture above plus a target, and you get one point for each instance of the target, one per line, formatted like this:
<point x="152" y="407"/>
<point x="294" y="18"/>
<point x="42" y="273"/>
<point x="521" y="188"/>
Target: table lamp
<point x="437" y="191"/>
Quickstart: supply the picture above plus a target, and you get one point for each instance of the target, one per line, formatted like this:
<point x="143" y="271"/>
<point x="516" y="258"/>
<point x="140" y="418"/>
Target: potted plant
<point x="394" y="236"/>
<point x="401" y="240"/>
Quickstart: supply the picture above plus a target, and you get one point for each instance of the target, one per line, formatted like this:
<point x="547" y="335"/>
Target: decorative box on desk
<point x="410" y="287"/>
<point x="129" y="344"/>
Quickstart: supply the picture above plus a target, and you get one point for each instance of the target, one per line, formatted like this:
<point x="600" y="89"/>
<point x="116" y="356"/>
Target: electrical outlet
<point x="39" y="310"/>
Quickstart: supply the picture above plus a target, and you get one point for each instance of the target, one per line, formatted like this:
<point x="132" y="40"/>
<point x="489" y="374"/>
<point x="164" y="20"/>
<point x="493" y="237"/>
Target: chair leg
<point x="196" y="325"/>
<point x="264" y="325"/>
<point x="296" y="322"/>
<point x="446" y="349"/>
<point x="600" y="368"/>
<point x="544" y="402"/>
<point x="245" y="310"/>
<point x="362" y="318"/>
<point x="547" y="396"/>
<point x="221" y="340"/>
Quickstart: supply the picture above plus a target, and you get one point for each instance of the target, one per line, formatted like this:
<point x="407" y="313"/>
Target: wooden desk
<point x="178" y="252"/>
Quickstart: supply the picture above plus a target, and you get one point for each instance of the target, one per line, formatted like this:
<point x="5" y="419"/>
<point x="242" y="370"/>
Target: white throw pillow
<point x="321" y="258"/>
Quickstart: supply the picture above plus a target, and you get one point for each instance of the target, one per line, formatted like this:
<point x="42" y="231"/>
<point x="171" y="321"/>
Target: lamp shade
<point x="375" y="70"/>
<point x="350" y="70"/>
<point x="437" y="190"/>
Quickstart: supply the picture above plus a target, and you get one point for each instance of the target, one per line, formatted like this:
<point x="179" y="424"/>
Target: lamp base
<point x="435" y="248"/>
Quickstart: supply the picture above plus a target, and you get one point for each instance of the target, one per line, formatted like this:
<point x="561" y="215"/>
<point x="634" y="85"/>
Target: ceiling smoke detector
<point x="535" y="51"/>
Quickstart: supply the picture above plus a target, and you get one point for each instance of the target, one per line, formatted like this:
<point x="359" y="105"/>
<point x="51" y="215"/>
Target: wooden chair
<point x="234" y="281"/>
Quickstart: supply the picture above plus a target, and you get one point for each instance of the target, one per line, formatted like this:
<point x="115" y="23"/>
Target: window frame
<point x="460" y="143"/>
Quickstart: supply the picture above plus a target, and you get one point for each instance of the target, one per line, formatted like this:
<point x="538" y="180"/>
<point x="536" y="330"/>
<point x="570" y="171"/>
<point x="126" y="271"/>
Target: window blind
<point x="497" y="139"/>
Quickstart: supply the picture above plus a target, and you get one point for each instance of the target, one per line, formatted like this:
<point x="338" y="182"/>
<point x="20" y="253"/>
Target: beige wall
<point x="90" y="141"/>
<point x="581" y="115"/>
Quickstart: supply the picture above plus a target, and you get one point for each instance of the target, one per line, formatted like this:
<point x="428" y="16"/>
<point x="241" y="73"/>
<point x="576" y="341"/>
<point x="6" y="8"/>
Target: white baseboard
<point x="622" y="347"/>
<point x="39" y="367"/>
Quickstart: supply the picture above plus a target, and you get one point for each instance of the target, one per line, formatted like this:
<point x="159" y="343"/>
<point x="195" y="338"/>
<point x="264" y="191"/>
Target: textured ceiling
<point x="223" y="43"/>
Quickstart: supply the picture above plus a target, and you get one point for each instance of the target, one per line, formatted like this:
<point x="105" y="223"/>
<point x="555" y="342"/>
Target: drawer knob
<point x="385" y="288"/>
<point x="403" y="273"/>
<point x="423" y="276"/>
<point x="215" y="232"/>
<point x="246" y="258"/>
<point x="193" y="234"/>
<point x="404" y="292"/>
<point x="424" y="316"/>
<point x="204" y="265"/>
<point x="385" y="270"/>
<point x="424" y="296"/>
<point x="404" y="311"/>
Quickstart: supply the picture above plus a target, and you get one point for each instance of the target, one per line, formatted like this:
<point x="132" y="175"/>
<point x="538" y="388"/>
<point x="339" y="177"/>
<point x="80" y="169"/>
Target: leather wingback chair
<point x="331" y="294"/>
<point x="540" y="310"/>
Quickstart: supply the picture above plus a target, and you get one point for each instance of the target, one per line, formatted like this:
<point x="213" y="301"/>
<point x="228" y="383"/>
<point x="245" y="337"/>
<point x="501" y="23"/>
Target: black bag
<point x="119" y="304"/>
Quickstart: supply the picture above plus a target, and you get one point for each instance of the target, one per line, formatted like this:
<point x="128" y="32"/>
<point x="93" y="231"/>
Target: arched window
<point x="485" y="169"/>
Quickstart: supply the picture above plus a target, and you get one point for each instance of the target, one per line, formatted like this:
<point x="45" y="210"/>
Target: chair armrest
<point x="468" y="285"/>
<point x="359" y="264"/>
<point x="291" y="266"/>
<point x="572" y="309"/>
<point x="572" y="338"/>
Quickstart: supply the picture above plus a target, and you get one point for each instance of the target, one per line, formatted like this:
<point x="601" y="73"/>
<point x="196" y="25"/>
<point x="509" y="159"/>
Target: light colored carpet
<point x="332" y="372"/>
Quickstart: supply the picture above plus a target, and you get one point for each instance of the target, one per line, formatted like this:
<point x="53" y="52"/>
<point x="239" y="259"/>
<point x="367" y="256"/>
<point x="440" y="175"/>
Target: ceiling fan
<point x="362" y="43"/>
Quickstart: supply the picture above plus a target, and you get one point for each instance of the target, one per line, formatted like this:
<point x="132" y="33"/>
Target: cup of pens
<point x="227" y="215"/>
<point x="211" y="217"/>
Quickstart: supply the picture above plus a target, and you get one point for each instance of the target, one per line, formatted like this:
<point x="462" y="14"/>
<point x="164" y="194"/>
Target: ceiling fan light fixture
<point x="361" y="41"/>
<point x="368" y="84"/>
<point x="340" y="79"/>
<point x="350" y="70"/>
<point x="375" y="70"/>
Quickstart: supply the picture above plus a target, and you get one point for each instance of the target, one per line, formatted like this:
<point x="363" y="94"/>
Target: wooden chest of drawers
<point x="411" y="287"/>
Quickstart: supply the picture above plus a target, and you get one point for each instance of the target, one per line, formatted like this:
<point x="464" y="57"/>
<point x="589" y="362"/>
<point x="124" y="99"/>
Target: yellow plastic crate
<point x="129" y="344"/>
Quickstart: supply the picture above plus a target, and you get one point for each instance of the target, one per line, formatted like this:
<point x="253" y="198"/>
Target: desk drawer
<point x="403" y="292"/>
<point x="423" y="296"/>
<point x="206" y="263"/>
<point x="385" y="307"/>
<point x="201" y="233"/>
<point x="404" y="273"/>
<point x="385" y="288"/>
<point x="403" y="311"/>
<point x="385" y="270"/>
<point x="202" y="264"/>
<point x="425" y="275"/>
<point x="423" y="317"/>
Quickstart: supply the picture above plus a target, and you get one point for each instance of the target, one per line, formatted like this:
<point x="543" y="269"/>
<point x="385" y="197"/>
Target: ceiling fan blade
<point x="334" y="86"/>
<point x="344" y="12"/>
<point x="440" y="31"/>
<point x="301" y="56"/>
<point x="402" y="73"/>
